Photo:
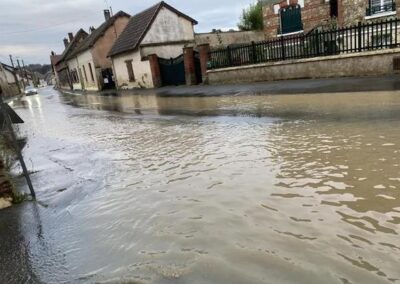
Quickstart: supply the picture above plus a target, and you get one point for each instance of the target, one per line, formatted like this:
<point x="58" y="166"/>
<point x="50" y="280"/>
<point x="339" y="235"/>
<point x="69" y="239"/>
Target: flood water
<point x="231" y="189"/>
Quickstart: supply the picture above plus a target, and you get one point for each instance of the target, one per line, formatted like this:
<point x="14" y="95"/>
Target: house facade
<point x="160" y="30"/>
<point x="290" y="17"/>
<point x="61" y="68"/>
<point x="88" y="64"/>
<point x="9" y="80"/>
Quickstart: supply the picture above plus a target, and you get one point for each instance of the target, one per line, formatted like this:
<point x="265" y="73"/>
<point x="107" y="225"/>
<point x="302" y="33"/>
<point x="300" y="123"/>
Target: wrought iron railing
<point x="374" y="9"/>
<point x="351" y="39"/>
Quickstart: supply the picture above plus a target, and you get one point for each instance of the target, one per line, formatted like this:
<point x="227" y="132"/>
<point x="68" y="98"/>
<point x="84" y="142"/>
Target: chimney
<point x="91" y="29"/>
<point x="66" y="42"/>
<point x="52" y="53"/>
<point x="107" y="14"/>
<point x="70" y="36"/>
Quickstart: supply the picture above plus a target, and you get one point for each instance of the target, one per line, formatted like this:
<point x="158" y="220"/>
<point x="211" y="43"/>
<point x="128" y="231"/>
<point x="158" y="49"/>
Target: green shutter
<point x="291" y="19"/>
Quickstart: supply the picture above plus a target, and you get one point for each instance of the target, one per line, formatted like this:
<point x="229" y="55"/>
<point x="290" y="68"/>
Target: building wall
<point x="317" y="13"/>
<point x="169" y="27"/>
<point x="9" y="76"/>
<point x="73" y="65"/>
<point x="83" y="59"/>
<point x="163" y="51"/>
<point x="374" y="63"/>
<point x="218" y="39"/>
<point x="141" y="70"/>
<point x="313" y="13"/>
<point x="104" y="44"/>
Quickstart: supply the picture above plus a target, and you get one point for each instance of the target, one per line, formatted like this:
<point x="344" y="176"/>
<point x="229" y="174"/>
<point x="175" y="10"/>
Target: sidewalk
<point x="306" y="86"/>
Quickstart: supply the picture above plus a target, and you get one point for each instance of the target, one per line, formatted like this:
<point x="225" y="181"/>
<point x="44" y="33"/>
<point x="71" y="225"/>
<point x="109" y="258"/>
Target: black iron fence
<point x="351" y="39"/>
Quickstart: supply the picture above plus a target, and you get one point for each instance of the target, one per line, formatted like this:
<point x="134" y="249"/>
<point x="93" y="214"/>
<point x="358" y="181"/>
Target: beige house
<point x="160" y="30"/>
<point x="88" y="64"/>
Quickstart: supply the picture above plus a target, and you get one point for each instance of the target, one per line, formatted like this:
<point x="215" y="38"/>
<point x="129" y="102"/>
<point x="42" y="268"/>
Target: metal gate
<point x="172" y="71"/>
<point x="108" y="79"/>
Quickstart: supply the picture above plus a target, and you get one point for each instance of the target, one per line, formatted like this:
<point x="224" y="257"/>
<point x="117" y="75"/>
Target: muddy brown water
<point x="233" y="189"/>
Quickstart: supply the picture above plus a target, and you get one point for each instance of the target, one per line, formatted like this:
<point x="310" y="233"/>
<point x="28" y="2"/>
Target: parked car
<point x="29" y="91"/>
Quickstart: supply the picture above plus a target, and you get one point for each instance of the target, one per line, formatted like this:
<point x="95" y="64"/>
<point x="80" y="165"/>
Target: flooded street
<point x="227" y="189"/>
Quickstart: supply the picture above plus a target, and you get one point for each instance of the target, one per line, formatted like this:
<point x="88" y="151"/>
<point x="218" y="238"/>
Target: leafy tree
<point x="252" y="17"/>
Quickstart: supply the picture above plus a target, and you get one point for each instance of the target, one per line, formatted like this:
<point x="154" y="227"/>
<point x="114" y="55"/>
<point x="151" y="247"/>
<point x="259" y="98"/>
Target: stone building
<point x="88" y="64"/>
<point x="290" y="17"/>
<point x="160" y="31"/>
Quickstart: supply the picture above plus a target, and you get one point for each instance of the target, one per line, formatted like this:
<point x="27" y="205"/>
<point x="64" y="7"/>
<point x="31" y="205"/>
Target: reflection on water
<point x="245" y="189"/>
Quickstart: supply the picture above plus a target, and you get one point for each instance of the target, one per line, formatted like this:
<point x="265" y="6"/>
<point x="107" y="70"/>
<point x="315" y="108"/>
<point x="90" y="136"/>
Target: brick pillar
<point x="155" y="70"/>
<point x="204" y="50"/>
<point x="188" y="60"/>
<point x="340" y="18"/>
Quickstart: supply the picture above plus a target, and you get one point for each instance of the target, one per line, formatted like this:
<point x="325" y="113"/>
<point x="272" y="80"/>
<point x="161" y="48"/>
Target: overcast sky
<point x="30" y="29"/>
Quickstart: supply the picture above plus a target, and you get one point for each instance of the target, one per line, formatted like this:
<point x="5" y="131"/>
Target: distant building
<point x="10" y="77"/>
<point x="161" y="30"/>
<point x="9" y="80"/>
<point x="288" y="17"/>
<point x="88" y="64"/>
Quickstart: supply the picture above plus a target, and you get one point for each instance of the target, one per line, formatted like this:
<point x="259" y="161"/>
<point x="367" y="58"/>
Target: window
<point x="291" y="19"/>
<point x="334" y="11"/>
<point x="380" y="6"/>
<point x="91" y="72"/>
<point x="129" y="67"/>
<point x="74" y="76"/>
<point x="84" y="72"/>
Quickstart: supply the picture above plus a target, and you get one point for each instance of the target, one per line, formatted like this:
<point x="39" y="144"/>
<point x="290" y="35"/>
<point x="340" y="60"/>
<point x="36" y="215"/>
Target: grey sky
<point x="30" y="29"/>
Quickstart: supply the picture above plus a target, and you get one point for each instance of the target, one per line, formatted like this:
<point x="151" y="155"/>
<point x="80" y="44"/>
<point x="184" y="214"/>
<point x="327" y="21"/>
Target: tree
<point x="252" y="17"/>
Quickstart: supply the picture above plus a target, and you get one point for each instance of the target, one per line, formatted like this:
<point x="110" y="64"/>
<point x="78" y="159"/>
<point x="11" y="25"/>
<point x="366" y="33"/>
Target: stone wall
<point x="374" y="63"/>
<point x="217" y="39"/>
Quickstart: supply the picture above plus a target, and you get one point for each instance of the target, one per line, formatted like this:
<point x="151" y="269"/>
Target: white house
<point x="160" y="30"/>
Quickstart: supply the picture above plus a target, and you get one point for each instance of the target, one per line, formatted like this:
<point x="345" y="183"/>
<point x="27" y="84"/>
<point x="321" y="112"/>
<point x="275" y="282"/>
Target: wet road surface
<point x="243" y="189"/>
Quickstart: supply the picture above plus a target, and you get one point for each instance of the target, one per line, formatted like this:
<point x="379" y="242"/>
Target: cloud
<point x="31" y="29"/>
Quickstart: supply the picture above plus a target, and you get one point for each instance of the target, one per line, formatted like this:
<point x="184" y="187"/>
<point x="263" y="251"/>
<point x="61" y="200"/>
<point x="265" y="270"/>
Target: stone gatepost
<point x="155" y="70"/>
<point x="204" y="52"/>
<point x="190" y="71"/>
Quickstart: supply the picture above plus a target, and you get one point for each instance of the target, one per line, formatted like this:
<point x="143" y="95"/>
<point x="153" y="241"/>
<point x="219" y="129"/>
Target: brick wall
<point x="317" y="13"/>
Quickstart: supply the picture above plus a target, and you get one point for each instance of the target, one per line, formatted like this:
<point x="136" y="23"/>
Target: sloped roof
<point x="8" y="67"/>
<point x="138" y="26"/>
<point x="96" y="34"/>
<point x="73" y="44"/>
<point x="54" y="59"/>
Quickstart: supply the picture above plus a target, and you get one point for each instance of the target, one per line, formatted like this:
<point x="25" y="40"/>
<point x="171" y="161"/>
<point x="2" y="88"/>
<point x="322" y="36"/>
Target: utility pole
<point x="26" y="74"/>
<point x="20" y="72"/>
<point x="12" y="61"/>
<point x="15" y="142"/>
<point x="15" y="73"/>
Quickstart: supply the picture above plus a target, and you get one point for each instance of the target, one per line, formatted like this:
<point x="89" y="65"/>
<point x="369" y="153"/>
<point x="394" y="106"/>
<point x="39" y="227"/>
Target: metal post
<point x="253" y="45"/>
<point x="229" y="56"/>
<point x="359" y="37"/>
<point x="317" y="42"/>
<point x="17" y="149"/>
<point x="283" y="48"/>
